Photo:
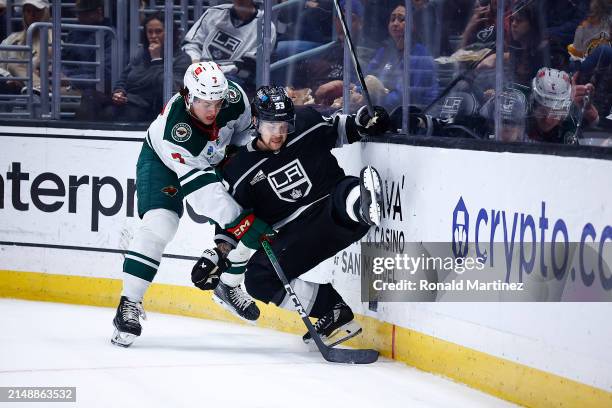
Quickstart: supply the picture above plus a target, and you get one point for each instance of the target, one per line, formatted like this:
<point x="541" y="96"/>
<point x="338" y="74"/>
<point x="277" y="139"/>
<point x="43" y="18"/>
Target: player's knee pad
<point x="157" y="229"/>
<point x="143" y="257"/>
<point x="305" y="291"/>
<point x="161" y="223"/>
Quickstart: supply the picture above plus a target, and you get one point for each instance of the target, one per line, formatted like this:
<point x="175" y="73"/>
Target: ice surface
<point x="186" y="362"/>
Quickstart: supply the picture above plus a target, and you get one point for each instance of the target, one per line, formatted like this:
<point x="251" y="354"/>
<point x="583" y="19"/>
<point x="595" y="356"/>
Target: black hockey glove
<point x="207" y="271"/>
<point x="372" y="125"/>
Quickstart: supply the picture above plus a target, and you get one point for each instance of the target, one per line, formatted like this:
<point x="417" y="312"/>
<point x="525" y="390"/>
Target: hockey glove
<point x="250" y="230"/>
<point x="372" y="125"/>
<point x="206" y="272"/>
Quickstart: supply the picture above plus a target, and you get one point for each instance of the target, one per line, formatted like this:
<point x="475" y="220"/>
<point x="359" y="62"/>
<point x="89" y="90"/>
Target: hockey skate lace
<point x="241" y="299"/>
<point x="321" y="323"/>
<point x="131" y="311"/>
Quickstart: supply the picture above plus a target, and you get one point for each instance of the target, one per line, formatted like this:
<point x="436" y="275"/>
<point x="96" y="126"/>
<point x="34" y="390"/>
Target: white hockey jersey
<point x="215" y="37"/>
<point x="192" y="150"/>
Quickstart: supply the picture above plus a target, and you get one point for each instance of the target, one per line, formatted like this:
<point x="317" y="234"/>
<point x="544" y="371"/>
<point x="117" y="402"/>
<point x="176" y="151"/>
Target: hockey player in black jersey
<point x="289" y="180"/>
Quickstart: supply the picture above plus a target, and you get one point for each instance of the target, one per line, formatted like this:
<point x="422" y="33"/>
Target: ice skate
<point x="127" y="322"/>
<point x="336" y="326"/>
<point x="236" y="301"/>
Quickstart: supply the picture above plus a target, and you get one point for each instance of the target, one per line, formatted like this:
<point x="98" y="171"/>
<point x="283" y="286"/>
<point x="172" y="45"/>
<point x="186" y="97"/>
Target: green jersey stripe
<point x="235" y="270"/>
<point x="139" y="269"/>
<point x="198" y="182"/>
<point x="188" y="174"/>
<point x="146" y="258"/>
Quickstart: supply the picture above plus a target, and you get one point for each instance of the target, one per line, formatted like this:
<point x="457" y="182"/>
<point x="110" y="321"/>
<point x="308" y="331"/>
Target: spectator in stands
<point x="427" y="18"/>
<point x="89" y="12"/>
<point x="455" y="16"/>
<point x="528" y="49"/>
<point x="227" y="34"/>
<point x="93" y="100"/>
<point x="374" y="26"/>
<point x="323" y="73"/>
<point x="592" y="41"/>
<point x="592" y="50"/>
<point x="305" y="26"/>
<point x="2" y="19"/>
<point x="33" y="11"/>
<point x="138" y="95"/>
<point x="388" y="66"/>
<point x="562" y="17"/>
<point x="480" y="30"/>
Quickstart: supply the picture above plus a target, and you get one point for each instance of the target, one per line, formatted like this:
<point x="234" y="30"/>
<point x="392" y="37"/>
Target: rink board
<point x="80" y="214"/>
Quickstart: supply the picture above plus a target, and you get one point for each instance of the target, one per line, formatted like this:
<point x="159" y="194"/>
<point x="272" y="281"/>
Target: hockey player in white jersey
<point x="182" y="147"/>
<point x="227" y="34"/>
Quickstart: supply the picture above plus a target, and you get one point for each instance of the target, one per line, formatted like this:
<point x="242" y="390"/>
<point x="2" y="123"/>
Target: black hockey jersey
<point x="279" y="186"/>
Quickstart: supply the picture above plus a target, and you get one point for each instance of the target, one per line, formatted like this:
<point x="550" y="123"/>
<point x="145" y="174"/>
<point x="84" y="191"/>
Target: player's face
<point x="273" y="135"/>
<point x="547" y="119"/>
<point x="547" y="123"/>
<point x="206" y="111"/>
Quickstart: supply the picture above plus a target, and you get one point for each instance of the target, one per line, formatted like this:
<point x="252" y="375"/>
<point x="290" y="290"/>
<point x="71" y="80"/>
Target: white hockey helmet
<point x="206" y="81"/>
<point x="552" y="89"/>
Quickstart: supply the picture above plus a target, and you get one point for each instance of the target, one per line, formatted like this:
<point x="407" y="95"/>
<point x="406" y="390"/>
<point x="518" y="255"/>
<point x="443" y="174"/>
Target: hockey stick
<point x="349" y="41"/>
<point x="334" y="355"/>
<point x="586" y="102"/>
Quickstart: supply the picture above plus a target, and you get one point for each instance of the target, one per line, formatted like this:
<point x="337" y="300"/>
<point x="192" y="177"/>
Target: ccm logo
<point x="296" y="302"/>
<point x="243" y="226"/>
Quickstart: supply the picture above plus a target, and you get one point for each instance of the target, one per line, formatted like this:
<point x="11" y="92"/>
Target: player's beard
<point x="274" y="143"/>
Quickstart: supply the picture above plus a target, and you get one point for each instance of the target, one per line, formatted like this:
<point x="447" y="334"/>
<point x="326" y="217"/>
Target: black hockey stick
<point x="334" y="355"/>
<point x="349" y="41"/>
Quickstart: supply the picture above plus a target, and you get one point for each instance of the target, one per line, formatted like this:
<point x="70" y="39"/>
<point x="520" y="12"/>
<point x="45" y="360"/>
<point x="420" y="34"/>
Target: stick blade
<point x="349" y="356"/>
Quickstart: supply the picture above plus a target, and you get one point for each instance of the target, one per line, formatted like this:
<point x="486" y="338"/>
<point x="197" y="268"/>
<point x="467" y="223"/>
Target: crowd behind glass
<point x="554" y="84"/>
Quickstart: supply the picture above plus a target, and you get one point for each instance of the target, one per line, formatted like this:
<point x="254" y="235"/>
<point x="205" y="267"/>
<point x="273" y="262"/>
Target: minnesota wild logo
<point x="233" y="94"/>
<point x="181" y="132"/>
<point x="170" y="191"/>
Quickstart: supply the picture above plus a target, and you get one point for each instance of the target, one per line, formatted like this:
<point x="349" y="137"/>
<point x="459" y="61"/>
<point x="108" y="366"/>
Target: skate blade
<point x="230" y="309"/>
<point x="371" y="181"/>
<point x="347" y="331"/>
<point x="340" y="335"/>
<point x="122" y="339"/>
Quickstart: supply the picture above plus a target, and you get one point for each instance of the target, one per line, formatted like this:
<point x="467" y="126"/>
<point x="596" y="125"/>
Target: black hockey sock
<point x="326" y="299"/>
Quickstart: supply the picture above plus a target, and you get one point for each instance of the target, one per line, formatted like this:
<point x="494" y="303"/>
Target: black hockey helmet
<point x="272" y="105"/>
